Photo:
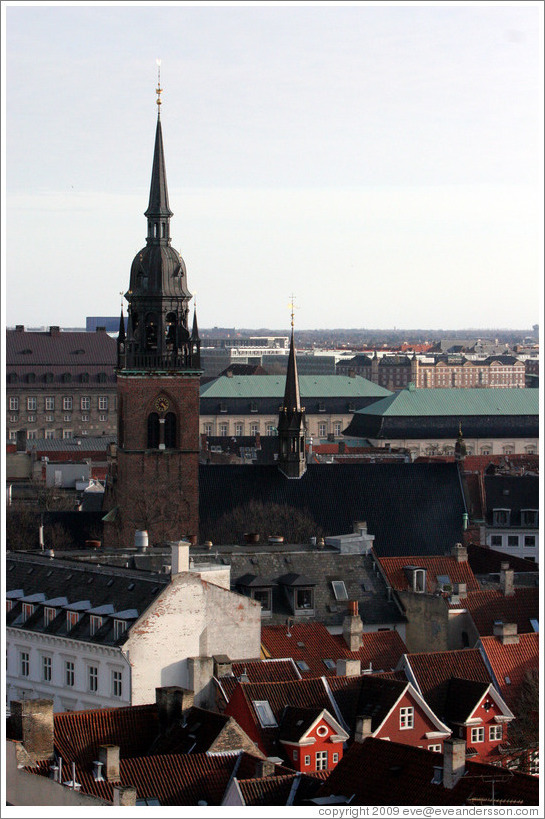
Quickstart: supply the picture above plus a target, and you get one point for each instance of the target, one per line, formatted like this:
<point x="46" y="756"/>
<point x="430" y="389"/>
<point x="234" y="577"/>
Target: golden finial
<point x="158" y="90"/>
<point x="292" y="307"/>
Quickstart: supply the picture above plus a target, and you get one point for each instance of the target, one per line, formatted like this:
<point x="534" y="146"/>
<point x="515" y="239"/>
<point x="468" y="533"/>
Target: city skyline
<point x="382" y="162"/>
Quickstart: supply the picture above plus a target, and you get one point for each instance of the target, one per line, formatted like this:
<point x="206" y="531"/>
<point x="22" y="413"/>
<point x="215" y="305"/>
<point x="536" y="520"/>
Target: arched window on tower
<point x="170" y="329"/>
<point x="151" y="331"/>
<point x="153" y="431"/>
<point x="170" y="430"/>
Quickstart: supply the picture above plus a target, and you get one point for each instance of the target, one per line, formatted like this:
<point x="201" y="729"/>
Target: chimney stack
<point x="171" y="702"/>
<point x="32" y="721"/>
<point x="507" y="633"/>
<point x="507" y="580"/>
<point x="454" y="761"/>
<point x="363" y="728"/>
<point x="123" y="796"/>
<point x="353" y="627"/>
<point x="263" y="768"/>
<point x="348" y="668"/>
<point x="459" y="551"/>
<point x="108" y="755"/>
<point x="180" y="556"/>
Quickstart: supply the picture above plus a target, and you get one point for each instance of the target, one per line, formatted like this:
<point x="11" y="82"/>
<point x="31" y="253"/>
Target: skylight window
<point x="329" y="663"/>
<point x="264" y="714"/>
<point x="339" y="590"/>
<point x="302" y="665"/>
<point x="534" y="624"/>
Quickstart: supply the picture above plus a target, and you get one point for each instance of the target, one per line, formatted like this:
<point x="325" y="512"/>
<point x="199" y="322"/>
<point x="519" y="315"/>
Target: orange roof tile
<point x="511" y="662"/>
<point x="485" y="607"/>
<point x="435" y="565"/>
<point x="380" y="650"/>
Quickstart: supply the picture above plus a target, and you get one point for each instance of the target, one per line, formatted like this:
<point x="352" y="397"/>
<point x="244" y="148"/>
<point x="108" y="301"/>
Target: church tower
<point x="154" y="472"/>
<point x="291" y="422"/>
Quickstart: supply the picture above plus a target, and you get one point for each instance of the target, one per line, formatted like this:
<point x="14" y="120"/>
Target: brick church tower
<point x="153" y="482"/>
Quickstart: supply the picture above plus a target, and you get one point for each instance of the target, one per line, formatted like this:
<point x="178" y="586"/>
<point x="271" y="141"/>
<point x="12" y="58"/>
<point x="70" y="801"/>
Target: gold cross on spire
<point x="292" y="307"/>
<point x="158" y="90"/>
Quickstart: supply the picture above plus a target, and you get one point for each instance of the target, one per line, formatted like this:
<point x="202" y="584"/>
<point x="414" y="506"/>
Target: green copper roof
<point x="311" y="386"/>
<point x="418" y="402"/>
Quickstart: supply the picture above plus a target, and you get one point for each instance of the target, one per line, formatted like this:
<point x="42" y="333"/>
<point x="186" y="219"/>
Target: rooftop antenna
<point x="292" y="307"/>
<point x="158" y="90"/>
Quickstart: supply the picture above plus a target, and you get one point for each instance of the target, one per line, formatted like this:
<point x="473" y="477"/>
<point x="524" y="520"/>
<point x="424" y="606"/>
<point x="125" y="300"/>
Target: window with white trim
<point x="117" y="683"/>
<point x="501" y="517"/>
<point x="495" y="733"/>
<point x="69" y="673"/>
<point x="477" y="735"/>
<point x="529" y="517"/>
<point x="24" y="663"/>
<point x="46" y="668"/>
<point x="14" y="404"/>
<point x="406" y="718"/>
<point x="254" y="429"/>
<point x="335" y="758"/>
<point x="31" y="404"/>
<point x="224" y="430"/>
<point x="49" y="404"/>
<point x="239" y="430"/>
<point x="103" y="402"/>
<point x="49" y="434"/>
<point x="435" y="748"/>
<point x="92" y="678"/>
<point x="529" y="541"/>
<point x="85" y="403"/>
<point x="72" y="618"/>
<point x="321" y="760"/>
<point x="66" y="433"/>
<point x="49" y="615"/>
<point x="94" y="624"/>
<point x="307" y="759"/>
<point x="28" y="611"/>
<point x="120" y="627"/>
<point x="304" y="599"/>
<point x="67" y="403"/>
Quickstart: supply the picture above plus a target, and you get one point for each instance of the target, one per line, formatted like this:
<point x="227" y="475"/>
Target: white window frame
<point x="69" y="673"/>
<point x="85" y="403"/>
<point x="321" y="760"/>
<point x="24" y="664"/>
<point x="31" y="404"/>
<point x="495" y="733"/>
<point x="307" y="759"/>
<point x="28" y="611"/>
<point x="66" y="434"/>
<point x="49" y="434"/>
<point x="335" y="758"/>
<point x="406" y="718"/>
<point x="47" y="668"/>
<point x="95" y="623"/>
<point x="67" y="403"/>
<point x="49" y="403"/>
<point x="477" y="735"/>
<point x="103" y="403"/>
<point x="49" y="615"/>
<point x="14" y="404"/>
<point x="117" y="683"/>
<point x="92" y="678"/>
<point x="120" y="627"/>
<point x="436" y="748"/>
<point x="72" y="618"/>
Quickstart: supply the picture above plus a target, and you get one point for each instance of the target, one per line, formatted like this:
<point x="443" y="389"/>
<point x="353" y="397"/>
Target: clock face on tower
<point x="162" y="403"/>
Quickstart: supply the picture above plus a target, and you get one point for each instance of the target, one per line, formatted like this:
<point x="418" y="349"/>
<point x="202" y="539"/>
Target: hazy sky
<point x="383" y="163"/>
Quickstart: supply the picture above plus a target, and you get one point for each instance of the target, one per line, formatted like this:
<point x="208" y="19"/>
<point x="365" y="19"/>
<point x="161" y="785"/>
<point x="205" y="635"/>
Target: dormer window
<point x="264" y="597"/>
<point x="253" y="406"/>
<point x="9" y="605"/>
<point x="28" y="611"/>
<point x="223" y="406"/>
<point x="94" y="624"/>
<point x="501" y="517"/>
<point x="304" y="600"/>
<point x="321" y="406"/>
<point x="264" y="714"/>
<point x="529" y="517"/>
<point x="72" y="618"/>
<point x="120" y="627"/>
<point x="416" y="577"/>
<point x="49" y="615"/>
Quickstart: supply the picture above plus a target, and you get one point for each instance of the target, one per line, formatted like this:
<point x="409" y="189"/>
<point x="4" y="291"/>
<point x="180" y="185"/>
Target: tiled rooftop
<point x="487" y="607"/>
<point x="435" y="565"/>
<point x="510" y="663"/>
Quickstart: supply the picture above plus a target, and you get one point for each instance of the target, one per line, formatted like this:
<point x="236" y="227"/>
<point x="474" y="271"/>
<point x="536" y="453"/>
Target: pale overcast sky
<point x="383" y="163"/>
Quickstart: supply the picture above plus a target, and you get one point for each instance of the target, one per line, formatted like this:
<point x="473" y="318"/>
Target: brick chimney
<point x="171" y="702"/>
<point x="353" y="627"/>
<point x="123" y="795"/>
<point x="223" y="666"/>
<point x="32" y="721"/>
<point x="263" y="768"/>
<point x="507" y="633"/>
<point x="19" y="328"/>
<point x="54" y="330"/>
<point x="507" y="580"/>
<point x="179" y="556"/>
<point x="109" y="756"/>
<point x="363" y="728"/>
<point x="454" y="761"/>
<point x="459" y="551"/>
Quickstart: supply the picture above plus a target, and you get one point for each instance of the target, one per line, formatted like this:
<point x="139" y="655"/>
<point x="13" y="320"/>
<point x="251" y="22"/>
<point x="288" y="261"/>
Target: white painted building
<point x="88" y="636"/>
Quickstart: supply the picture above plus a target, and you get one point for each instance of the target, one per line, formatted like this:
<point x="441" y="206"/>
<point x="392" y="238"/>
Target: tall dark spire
<point x="291" y="421"/>
<point x="158" y="206"/>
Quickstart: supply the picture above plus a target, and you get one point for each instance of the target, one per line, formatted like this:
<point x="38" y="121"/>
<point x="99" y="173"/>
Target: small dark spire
<point x="292" y="397"/>
<point x="291" y="421"/>
<point x="121" y="336"/>
<point x="158" y="197"/>
<point x="195" y="330"/>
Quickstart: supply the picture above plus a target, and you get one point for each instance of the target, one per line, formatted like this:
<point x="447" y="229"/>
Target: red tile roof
<point x="485" y="607"/>
<point x="512" y="662"/>
<point x="478" y="463"/>
<point x="435" y="565"/>
<point x="377" y="772"/>
<point x="313" y="643"/>
<point x="433" y="670"/>
<point x="257" y="671"/>
<point x="270" y="790"/>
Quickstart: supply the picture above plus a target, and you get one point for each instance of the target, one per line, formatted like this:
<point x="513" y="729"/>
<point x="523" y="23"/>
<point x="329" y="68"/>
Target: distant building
<point x="109" y="323"/>
<point x="60" y="384"/>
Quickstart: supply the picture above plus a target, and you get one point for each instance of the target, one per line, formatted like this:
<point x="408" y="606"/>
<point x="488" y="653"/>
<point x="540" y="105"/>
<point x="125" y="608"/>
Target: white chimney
<point x="507" y="580"/>
<point x="454" y="761"/>
<point x="348" y="668"/>
<point x="180" y="557"/>
<point x="141" y="540"/>
<point x="363" y="728"/>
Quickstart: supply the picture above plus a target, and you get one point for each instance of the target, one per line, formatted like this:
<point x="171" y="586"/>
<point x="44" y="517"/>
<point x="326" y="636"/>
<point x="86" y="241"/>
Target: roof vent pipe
<point x="141" y="540"/>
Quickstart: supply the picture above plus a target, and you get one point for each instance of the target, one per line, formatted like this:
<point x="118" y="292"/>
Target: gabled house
<point x="387" y="709"/>
<point x="312" y="738"/>
<point x="511" y="515"/>
<point x="228" y="674"/>
<point x="509" y="657"/>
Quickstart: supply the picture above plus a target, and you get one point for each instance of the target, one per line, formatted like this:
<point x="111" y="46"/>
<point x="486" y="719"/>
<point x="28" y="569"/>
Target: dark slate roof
<point x="320" y="567"/>
<point x="483" y="561"/>
<point x="511" y="492"/>
<point x="194" y="733"/>
<point x="409" y="508"/>
<point x="462" y="698"/>
<point x="57" y="349"/>
<point x="296" y="721"/>
<point x="125" y="589"/>
<point x="366" y="695"/>
<point x="288" y="789"/>
<point x="82" y="447"/>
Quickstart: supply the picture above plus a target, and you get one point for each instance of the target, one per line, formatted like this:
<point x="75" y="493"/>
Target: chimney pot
<point x="171" y="702"/>
<point x="346" y="667"/>
<point x="180" y="556"/>
<point x="108" y="755"/>
<point x="507" y="633"/>
<point x="454" y="761"/>
<point x="32" y="721"/>
<point x="363" y="728"/>
<point x="124" y="795"/>
<point x="507" y="580"/>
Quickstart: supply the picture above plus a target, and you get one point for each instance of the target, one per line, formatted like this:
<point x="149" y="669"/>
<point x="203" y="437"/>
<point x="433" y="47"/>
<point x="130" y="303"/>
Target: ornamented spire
<point x="291" y="421"/>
